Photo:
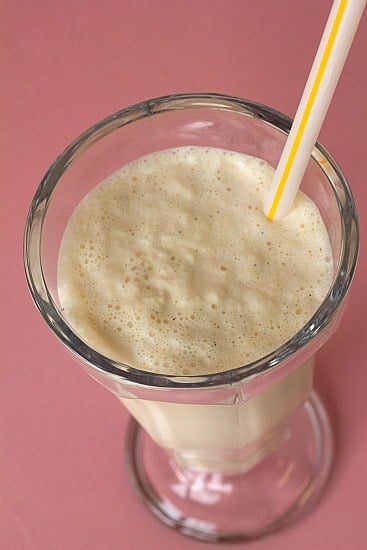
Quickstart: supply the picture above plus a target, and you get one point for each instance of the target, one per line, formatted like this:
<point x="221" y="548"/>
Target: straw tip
<point x="269" y="211"/>
<point x="276" y="212"/>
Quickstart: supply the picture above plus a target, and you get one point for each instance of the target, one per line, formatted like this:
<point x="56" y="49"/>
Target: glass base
<point x="220" y="507"/>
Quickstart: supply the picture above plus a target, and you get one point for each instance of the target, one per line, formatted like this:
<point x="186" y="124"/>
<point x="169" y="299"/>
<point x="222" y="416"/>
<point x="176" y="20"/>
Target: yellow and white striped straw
<point x="326" y="69"/>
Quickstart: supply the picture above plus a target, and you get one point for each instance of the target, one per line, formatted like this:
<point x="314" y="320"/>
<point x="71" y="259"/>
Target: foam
<point x="170" y="266"/>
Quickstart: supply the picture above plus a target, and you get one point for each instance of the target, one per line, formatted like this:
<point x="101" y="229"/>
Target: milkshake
<point x="148" y="255"/>
<point x="170" y="266"/>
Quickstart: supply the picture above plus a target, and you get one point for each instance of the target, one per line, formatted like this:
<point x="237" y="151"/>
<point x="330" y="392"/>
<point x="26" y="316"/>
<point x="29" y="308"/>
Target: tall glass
<point x="224" y="456"/>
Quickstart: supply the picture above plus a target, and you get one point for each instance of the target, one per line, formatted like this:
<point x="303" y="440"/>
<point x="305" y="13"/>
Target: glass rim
<point x="131" y="375"/>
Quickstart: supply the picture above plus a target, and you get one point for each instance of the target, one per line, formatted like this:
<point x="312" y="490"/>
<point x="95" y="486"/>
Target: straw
<point x="326" y="69"/>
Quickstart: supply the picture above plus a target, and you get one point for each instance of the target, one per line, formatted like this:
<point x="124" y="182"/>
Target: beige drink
<point x="170" y="266"/>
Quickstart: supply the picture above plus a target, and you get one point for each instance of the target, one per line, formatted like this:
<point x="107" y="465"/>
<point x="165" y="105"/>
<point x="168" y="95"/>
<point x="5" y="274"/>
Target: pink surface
<point x="65" y="65"/>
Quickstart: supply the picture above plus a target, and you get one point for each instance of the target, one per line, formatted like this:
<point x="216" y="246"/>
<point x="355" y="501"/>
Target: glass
<point x="225" y="456"/>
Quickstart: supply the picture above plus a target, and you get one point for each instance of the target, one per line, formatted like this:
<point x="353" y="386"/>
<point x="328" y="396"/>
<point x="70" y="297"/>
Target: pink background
<point x="65" y="65"/>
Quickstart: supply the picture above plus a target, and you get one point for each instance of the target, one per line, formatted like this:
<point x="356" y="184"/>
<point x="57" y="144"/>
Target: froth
<point x="170" y="266"/>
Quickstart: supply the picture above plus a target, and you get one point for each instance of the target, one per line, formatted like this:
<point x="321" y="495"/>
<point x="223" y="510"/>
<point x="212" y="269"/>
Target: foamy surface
<point x="170" y="265"/>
